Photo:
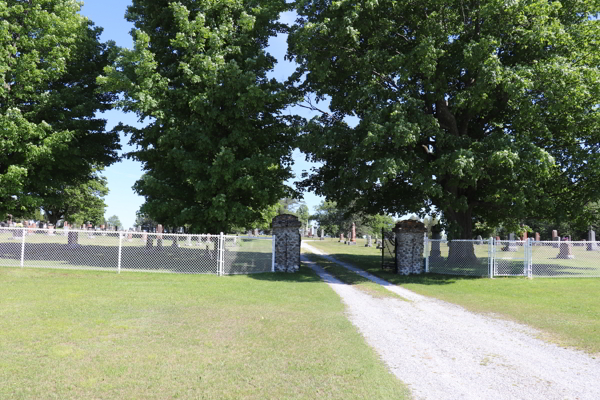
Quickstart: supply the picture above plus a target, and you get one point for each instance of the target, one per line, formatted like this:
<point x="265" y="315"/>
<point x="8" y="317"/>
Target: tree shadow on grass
<point x="564" y="270"/>
<point x="304" y="275"/>
<point x="164" y="259"/>
<point x="372" y="265"/>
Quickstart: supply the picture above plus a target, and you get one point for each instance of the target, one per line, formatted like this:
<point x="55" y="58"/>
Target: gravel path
<point x="443" y="351"/>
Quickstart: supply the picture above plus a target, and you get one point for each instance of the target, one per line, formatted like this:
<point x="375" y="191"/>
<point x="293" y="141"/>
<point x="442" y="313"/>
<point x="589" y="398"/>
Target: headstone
<point x="369" y="241"/>
<point x="189" y="240"/>
<point x="353" y="239"/>
<point x="322" y="234"/>
<point x="130" y="237"/>
<point x="479" y="239"/>
<point x="497" y="238"/>
<point x="50" y="230"/>
<point x="73" y="239"/>
<point x="341" y="237"/>
<point x="512" y="244"/>
<point x="566" y="250"/>
<point x="537" y="236"/>
<point x="208" y="247"/>
<point x="255" y="232"/>
<point x="159" y="237"/>
<point x="378" y="244"/>
<point x="555" y="238"/>
<point x="249" y="233"/>
<point x="435" y="252"/>
<point x="90" y="233"/>
<point x="524" y="236"/>
<point x="592" y="244"/>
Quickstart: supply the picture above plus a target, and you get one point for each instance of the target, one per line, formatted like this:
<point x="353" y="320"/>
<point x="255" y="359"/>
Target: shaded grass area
<point x="84" y="334"/>
<point x="567" y="310"/>
<point x="352" y="278"/>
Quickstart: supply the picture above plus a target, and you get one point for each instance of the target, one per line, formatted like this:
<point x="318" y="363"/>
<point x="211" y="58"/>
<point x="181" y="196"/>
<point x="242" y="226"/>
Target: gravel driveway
<point x="443" y="351"/>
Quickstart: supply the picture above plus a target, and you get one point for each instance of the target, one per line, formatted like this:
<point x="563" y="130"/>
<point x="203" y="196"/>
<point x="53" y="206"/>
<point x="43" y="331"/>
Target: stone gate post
<point x="409" y="247"/>
<point x="287" y="242"/>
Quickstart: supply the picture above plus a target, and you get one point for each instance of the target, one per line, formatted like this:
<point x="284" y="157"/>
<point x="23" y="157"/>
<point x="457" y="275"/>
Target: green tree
<point x="217" y="149"/>
<point x="77" y="204"/>
<point x="486" y="110"/>
<point x="50" y="58"/>
<point x="114" y="221"/>
<point x="336" y="220"/>
<point x="143" y="220"/>
<point x="303" y="214"/>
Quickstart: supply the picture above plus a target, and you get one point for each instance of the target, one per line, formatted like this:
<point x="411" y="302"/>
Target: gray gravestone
<point x="512" y="244"/>
<point x="566" y="250"/>
<point x="592" y="245"/>
<point x="369" y="241"/>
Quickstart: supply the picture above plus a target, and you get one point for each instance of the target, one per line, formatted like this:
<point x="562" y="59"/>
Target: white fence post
<point x="491" y="254"/>
<point x="23" y="249"/>
<point x="221" y="263"/>
<point x="426" y="244"/>
<point x="529" y="258"/>
<point x="120" y="248"/>
<point x="273" y="255"/>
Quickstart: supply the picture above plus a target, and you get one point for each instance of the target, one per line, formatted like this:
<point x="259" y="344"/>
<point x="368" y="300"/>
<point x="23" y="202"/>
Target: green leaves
<point x="486" y="111"/>
<point x="217" y="149"/>
<point x="50" y="57"/>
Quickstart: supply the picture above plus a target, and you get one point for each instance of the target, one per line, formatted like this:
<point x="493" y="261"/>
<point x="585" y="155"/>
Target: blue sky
<point x="122" y="201"/>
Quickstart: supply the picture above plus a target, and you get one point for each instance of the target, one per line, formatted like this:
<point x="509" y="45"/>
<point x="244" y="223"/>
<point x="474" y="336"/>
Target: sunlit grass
<point x="83" y="335"/>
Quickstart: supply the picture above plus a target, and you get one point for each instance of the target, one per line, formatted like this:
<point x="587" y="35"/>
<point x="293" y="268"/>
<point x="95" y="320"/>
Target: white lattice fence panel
<point x="566" y="259"/>
<point x="458" y="257"/>
<point x="245" y="254"/>
<point x="153" y="252"/>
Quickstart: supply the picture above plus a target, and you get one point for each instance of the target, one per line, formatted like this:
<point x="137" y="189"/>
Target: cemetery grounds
<point x="566" y="310"/>
<point x="99" y="251"/>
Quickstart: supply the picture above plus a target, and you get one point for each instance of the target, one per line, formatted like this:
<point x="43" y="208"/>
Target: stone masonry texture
<point x="287" y="242"/>
<point x="409" y="247"/>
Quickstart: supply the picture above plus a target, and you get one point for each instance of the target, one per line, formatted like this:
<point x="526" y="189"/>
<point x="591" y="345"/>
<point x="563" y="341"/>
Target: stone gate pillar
<point x="409" y="247"/>
<point x="287" y="242"/>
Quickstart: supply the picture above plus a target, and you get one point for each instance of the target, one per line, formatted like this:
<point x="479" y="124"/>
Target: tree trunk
<point x="463" y="225"/>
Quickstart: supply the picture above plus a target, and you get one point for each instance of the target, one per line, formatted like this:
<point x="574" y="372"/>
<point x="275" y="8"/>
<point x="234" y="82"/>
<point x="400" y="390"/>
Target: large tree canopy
<point x="217" y="149"/>
<point x="50" y="57"/>
<point x="484" y="109"/>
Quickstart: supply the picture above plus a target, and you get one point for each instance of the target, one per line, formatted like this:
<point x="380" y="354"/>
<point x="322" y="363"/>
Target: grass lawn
<point x="567" y="310"/>
<point x="84" y="334"/>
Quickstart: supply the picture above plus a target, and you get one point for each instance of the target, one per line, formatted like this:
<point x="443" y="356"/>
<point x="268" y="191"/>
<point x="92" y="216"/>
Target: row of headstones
<point x="351" y="236"/>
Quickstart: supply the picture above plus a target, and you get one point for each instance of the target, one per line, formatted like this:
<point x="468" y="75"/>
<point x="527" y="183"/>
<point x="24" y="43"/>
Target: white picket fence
<point x="491" y="257"/>
<point x="136" y="251"/>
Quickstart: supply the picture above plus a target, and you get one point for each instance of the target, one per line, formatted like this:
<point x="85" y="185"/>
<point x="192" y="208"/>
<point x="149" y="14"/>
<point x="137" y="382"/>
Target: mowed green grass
<point x="86" y="334"/>
<point x="566" y="310"/>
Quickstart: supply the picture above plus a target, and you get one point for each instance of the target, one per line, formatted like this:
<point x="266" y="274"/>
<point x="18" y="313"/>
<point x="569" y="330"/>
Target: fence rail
<point x="135" y="251"/>
<point x="528" y="258"/>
